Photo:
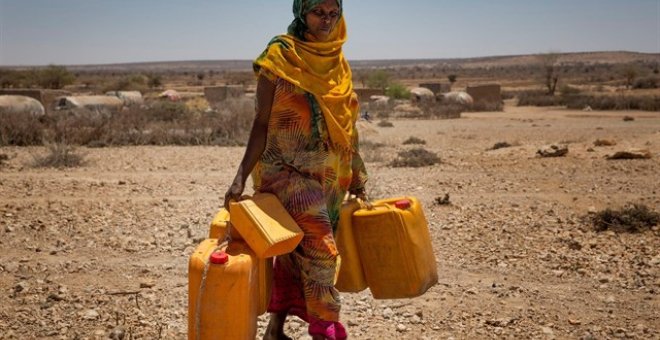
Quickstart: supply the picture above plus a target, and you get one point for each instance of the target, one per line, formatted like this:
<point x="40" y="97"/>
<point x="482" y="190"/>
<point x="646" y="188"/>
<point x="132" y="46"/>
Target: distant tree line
<point x="50" y="77"/>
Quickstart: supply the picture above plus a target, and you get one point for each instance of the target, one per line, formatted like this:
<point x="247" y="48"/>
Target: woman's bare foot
<point x="275" y="329"/>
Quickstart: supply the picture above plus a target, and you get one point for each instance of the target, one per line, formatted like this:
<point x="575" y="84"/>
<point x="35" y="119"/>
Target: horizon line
<point x="350" y="60"/>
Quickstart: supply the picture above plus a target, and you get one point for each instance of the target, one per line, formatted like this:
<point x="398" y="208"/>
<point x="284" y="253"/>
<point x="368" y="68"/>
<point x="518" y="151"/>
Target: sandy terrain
<point x="107" y="244"/>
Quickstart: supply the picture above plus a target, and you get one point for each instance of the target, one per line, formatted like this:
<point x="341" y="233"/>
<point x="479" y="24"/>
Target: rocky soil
<point x="101" y="251"/>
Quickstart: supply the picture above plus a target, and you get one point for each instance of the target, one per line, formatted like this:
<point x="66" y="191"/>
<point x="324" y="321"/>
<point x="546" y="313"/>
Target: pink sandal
<point x="329" y="329"/>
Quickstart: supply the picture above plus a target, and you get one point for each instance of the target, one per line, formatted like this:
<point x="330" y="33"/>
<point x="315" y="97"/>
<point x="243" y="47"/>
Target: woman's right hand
<point x="234" y="193"/>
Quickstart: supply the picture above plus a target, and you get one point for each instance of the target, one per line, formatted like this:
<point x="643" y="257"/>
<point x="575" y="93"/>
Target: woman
<point x="303" y="148"/>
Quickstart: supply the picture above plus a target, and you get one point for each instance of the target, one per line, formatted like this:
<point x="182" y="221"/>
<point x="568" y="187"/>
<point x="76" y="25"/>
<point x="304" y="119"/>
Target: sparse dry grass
<point x="501" y="145"/>
<point x="414" y="140"/>
<point x="60" y="155"/>
<point x="3" y="159"/>
<point x="631" y="218"/>
<point x="371" y="152"/>
<point x="415" y="158"/>
<point x="163" y="123"/>
<point x="20" y="130"/>
<point x="385" y="123"/>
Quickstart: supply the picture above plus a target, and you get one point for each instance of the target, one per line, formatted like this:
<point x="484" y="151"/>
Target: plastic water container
<point x="227" y="304"/>
<point x="351" y="276"/>
<point x="219" y="226"/>
<point x="265" y="225"/>
<point x="218" y="230"/>
<point x="395" y="248"/>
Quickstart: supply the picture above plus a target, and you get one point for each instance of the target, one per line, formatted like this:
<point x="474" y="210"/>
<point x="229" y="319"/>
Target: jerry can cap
<point x="402" y="204"/>
<point x="219" y="257"/>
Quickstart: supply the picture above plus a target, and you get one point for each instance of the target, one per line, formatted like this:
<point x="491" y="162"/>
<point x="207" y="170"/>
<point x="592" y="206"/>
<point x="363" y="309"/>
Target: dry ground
<point x="86" y="249"/>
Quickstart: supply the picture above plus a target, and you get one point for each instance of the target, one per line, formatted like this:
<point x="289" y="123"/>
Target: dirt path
<point x="516" y="259"/>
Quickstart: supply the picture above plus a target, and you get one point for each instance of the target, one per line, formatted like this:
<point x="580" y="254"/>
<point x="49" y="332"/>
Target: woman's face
<point x="321" y="20"/>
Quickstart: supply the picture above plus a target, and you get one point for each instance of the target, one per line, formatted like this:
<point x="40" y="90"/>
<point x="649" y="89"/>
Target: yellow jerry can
<point x="228" y="287"/>
<point x="395" y="248"/>
<point x="351" y="276"/>
<point x="219" y="226"/>
<point x="265" y="225"/>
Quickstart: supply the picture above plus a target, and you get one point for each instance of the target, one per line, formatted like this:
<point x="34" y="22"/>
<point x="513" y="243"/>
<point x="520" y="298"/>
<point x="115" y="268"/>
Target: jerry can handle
<point x="365" y="203"/>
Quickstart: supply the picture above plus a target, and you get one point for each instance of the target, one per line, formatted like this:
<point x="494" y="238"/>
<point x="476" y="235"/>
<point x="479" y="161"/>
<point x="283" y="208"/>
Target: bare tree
<point x="452" y="79"/>
<point x="549" y="64"/>
<point x="630" y="73"/>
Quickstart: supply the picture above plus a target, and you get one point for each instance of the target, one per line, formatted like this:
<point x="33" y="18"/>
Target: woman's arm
<point x="257" y="141"/>
<point x="360" y="176"/>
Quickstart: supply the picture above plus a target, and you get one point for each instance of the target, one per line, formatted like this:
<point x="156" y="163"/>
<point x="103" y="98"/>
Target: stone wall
<point x="437" y="88"/>
<point x="215" y="95"/>
<point x="491" y="93"/>
<point x="364" y="94"/>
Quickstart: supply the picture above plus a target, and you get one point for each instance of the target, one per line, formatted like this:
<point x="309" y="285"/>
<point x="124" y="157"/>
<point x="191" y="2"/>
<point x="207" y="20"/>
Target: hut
<point x="456" y="97"/>
<point x="421" y="95"/>
<point x="93" y="103"/>
<point x="12" y="104"/>
<point x="45" y="96"/>
<point x="128" y="98"/>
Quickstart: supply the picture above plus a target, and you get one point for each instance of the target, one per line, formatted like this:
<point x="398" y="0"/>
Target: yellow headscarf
<point x="320" y="69"/>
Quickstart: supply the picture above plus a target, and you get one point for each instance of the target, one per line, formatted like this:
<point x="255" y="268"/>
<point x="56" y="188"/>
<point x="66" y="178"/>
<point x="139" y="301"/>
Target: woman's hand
<point x="359" y="193"/>
<point x="234" y="193"/>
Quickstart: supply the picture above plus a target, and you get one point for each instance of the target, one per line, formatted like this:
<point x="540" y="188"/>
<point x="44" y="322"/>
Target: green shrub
<point x="415" y="158"/>
<point x="378" y="79"/>
<point x="397" y="91"/>
<point x="168" y="111"/>
<point x="55" y="77"/>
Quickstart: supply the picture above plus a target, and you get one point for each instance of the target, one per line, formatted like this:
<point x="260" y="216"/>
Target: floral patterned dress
<point x="311" y="180"/>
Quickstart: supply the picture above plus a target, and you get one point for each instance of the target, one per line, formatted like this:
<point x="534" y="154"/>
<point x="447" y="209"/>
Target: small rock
<point x="117" y="333"/>
<point x="10" y="267"/>
<point x="90" y="314"/>
<point x="604" y="142"/>
<point x="548" y="332"/>
<point x="147" y="284"/>
<point x="388" y="313"/>
<point x="574" y="322"/>
<point x="401" y="328"/>
<point x="553" y="150"/>
<point x="21" y="286"/>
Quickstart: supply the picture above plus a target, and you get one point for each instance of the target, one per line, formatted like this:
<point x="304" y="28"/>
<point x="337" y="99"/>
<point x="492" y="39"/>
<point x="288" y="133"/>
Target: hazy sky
<point x="38" y="32"/>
